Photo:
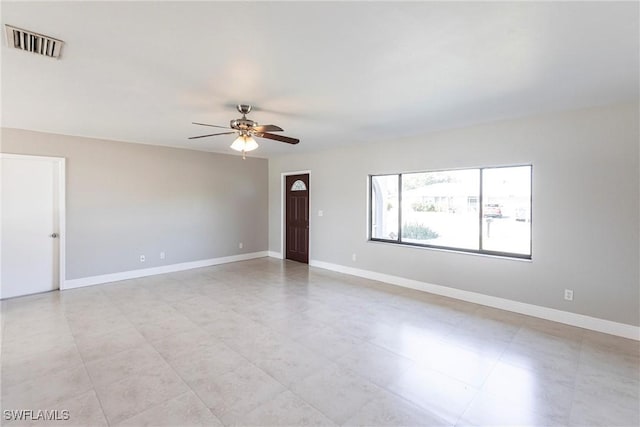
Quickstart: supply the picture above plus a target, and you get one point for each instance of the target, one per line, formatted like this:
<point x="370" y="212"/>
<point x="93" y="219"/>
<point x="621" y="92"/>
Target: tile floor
<point x="266" y="342"/>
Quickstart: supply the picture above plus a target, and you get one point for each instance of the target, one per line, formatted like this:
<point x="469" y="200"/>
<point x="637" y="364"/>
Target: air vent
<point x="29" y="41"/>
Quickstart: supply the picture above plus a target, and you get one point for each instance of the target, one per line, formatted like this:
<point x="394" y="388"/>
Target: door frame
<point x="283" y="197"/>
<point x="62" y="215"/>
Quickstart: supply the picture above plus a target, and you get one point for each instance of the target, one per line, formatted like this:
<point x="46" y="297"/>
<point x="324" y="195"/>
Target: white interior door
<point x="30" y="244"/>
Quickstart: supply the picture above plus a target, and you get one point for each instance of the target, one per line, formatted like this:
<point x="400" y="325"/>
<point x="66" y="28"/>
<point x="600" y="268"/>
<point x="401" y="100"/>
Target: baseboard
<point x="274" y="254"/>
<point x="573" y="319"/>
<point x="134" y="274"/>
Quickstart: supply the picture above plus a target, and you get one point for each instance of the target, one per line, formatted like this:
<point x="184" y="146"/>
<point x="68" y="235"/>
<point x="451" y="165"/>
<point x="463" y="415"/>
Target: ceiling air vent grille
<point x="29" y="41"/>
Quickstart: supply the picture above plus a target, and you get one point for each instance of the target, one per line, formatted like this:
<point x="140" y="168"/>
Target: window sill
<point x="455" y="251"/>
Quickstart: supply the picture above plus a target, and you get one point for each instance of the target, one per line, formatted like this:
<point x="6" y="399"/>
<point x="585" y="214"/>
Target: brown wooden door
<point x="297" y="218"/>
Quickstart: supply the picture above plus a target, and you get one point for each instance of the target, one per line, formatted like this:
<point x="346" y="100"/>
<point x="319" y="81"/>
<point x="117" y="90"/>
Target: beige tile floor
<point x="266" y="342"/>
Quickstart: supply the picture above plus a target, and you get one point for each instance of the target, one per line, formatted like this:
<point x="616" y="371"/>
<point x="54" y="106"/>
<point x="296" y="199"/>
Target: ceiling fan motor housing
<point x="242" y="124"/>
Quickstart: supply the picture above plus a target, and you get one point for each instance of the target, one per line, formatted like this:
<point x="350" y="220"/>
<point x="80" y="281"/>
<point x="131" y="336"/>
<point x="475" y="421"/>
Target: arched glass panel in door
<point x="299" y="185"/>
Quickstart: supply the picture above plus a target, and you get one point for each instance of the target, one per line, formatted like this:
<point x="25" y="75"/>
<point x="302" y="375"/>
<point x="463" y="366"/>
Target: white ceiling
<point x="328" y="73"/>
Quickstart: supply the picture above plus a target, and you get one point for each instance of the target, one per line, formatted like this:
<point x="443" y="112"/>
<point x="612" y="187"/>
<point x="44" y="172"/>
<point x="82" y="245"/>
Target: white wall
<point x="586" y="216"/>
<point x="125" y="200"/>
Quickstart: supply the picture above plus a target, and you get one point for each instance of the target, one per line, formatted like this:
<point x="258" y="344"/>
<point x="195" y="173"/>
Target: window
<point x="506" y="223"/>
<point x="385" y="207"/>
<point x="485" y="210"/>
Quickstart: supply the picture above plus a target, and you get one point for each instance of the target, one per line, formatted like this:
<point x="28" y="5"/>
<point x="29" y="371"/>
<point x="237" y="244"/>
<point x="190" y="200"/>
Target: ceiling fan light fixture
<point x="244" y="143"/>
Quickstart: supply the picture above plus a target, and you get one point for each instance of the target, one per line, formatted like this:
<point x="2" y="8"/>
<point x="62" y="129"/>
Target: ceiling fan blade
<point x="213" y="126"/>
<point x="212" y="134"/>
<point x="267" y="128"/>
<point x="278" y="137"/>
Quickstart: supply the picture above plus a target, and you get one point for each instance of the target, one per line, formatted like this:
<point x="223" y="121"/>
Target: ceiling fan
<point x="246" y="129"/>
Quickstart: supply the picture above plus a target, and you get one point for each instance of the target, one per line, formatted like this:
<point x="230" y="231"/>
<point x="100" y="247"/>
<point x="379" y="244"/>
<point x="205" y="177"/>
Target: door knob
<point x="54" y="235"/>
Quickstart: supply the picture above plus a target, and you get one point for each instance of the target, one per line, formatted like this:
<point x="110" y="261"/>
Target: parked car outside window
<point x="492" y="210"/>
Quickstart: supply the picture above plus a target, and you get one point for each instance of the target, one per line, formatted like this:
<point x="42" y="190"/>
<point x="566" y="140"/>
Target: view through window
<point x="484" y="210"/>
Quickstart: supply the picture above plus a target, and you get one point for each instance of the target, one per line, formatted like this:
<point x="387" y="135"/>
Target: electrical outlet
<point x="142" y="259"/>
<point x="162" y="255"/>
<point x="568" y="294"/>
<point x="353" y="257"/>
<point x="240" y="245"/>
<point x="320" y="213"/>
